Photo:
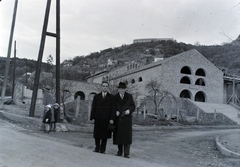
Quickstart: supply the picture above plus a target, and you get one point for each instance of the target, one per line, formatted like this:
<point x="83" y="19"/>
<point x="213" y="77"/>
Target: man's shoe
<point x="102" y="152"/>
<point x="96" y="151"/>
<point x="118" y="154"/>
<point x="126" y="156"/>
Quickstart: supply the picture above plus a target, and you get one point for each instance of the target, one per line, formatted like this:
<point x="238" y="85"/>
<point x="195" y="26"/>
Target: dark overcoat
<point x="123" y="123"/>
<point x="101" y="112"/>
<point x="47" y="117"/>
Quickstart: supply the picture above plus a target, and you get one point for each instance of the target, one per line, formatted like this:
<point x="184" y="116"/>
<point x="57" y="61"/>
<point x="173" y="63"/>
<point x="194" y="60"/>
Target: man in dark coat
<point x="123" y="108"/>
<point x="101" y="114"/>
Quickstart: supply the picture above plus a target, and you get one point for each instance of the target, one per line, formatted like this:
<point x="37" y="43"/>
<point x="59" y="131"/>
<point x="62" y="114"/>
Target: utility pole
<point x="39" y="62"/>
<point x="8" y="55"/>
<point x="14" y="68"/>
<point x="58" y="95"/>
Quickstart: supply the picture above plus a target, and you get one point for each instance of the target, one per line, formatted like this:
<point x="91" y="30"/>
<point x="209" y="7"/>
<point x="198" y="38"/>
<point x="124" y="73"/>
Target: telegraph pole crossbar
<point x="40" y="55"/>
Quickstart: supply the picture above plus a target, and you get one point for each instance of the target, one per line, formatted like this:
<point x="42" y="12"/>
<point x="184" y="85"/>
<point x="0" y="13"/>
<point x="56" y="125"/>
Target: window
<point x="185" y="80"/>
<point x="200" y="96"/>
<point x="200" y="72"/>
<point x="200" y="82"/>
<point x="140" y="79"/>
<point x="185" y="70"/>
<point x="185" y="94"/>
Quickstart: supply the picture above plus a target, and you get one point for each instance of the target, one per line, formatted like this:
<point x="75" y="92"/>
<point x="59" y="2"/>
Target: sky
<point x="89" y="26"/>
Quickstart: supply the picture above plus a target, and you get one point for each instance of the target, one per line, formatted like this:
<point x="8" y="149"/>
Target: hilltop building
<point x="151" y="40"/>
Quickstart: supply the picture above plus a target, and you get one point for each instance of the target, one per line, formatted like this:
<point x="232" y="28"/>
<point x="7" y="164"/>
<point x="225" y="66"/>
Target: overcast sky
<point x="89" y="26"/>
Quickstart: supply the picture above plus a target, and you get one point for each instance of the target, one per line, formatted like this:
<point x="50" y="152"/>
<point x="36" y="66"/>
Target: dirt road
<point x="19" y="149"/>
<point x="171" y="148"/>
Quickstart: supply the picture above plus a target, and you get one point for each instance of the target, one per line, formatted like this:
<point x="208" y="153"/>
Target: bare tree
<point x="157" y="94"/>
<point x="65" y="95"/>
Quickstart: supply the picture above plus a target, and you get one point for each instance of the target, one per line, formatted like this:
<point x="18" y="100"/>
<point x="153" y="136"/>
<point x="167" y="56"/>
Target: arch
<point x="185" y="80"/>
<point x="81" y="94"/>
<point x="200" y="82"/>
<point x="140" y="79"/>
<point x="186" y="94"/>
<point x="133" y="81"/>
<point x="200" y="96"/>
<point x="200" y="72"/>
<point x="186" y="70"/>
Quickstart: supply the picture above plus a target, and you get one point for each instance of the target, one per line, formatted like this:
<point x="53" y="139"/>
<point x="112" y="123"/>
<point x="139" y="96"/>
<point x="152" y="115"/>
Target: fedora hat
<point x="122" y="85"/>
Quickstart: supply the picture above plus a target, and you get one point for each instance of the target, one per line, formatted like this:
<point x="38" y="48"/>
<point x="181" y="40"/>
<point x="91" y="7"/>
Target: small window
<point x="200" y="82"/>
<point x="185" y="80"/>
<point x="185" y="70"/>
<point x="133" y="81"/>
<point x="140" y="79"/>
<point x="200" y="72"/>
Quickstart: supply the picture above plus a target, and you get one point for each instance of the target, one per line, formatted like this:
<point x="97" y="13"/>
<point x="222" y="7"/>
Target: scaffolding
<point x="232" y="90"/>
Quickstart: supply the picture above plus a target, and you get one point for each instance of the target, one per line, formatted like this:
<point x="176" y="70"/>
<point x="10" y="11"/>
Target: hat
<point x="47" y="87"/>
<point x="122" y="85"/>
<point x="48" y="106"/>
<point x="55" y="105"/>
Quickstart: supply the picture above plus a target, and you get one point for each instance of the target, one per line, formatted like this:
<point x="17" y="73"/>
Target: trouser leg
<point x="54" y="126"/>
<point x="51" y="126"/>
<point x="103" y="145"/>
<point x="127" y="149"/>
<point x="97" y="144"/>
<point x="120" y="150"/>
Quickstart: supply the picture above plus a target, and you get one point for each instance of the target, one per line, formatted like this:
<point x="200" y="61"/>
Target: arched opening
<point x="81" y="94"/>
<point x="200" y="72"/>
<point x="200" y="96"/>
<point x="200" y="82"/>
<point x="140" y="79"/>
<point x="185" y="70"/>
<point x="133" y="81"/>
<point x="185" y="94"/>
<point x="185" y="80"/>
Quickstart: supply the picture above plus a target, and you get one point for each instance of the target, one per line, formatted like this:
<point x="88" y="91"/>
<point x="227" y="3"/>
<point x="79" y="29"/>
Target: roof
<point x="161" y="62"/>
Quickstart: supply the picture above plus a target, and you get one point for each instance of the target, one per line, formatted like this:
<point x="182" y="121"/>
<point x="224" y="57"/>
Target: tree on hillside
<point x="49" y="63"/>
<point x="157" y="94"/>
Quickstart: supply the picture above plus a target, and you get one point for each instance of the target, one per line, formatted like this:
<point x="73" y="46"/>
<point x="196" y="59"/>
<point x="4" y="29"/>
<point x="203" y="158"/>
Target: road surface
<point x="20" y="149"/>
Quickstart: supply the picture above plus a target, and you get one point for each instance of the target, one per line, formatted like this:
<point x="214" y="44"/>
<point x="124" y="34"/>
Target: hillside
<point x="227" y="56"/>
<point x="224" y="56"/>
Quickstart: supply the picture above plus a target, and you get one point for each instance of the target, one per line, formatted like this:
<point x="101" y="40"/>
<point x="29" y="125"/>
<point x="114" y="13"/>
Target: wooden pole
<point x="39" y="62"/>
<point x="8" y="55"/>
<point x="14" y="69"/>
<point x="58" y="96"/>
